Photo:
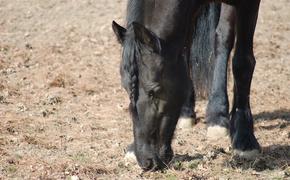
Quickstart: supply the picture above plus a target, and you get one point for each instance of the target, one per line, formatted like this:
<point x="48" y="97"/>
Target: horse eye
<point x="151" y="94"/>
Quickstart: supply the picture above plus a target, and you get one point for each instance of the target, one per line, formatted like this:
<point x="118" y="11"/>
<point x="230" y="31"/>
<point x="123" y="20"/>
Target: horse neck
<point x="170" y="20"/>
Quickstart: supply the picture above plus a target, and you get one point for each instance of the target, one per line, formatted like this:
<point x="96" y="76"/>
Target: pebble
<point x="74" y="177"/>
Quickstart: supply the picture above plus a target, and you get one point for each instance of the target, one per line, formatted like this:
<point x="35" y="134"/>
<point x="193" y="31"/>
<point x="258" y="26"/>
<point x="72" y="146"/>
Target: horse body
<point x="155" y="73"/>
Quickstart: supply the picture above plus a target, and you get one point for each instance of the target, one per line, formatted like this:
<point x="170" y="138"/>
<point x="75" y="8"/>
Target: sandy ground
<point x="64" y="114"/>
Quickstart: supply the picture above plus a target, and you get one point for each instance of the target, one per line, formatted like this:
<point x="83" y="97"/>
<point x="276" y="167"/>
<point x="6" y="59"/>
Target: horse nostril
<point x="147" y="165"/>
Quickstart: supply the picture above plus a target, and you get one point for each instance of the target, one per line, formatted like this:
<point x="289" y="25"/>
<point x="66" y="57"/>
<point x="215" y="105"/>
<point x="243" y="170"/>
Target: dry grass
<point x="63" y="113"/>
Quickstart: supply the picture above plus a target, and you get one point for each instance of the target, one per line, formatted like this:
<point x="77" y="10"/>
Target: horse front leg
<point x="187" y="116"/>
<point x="243" y="139"/>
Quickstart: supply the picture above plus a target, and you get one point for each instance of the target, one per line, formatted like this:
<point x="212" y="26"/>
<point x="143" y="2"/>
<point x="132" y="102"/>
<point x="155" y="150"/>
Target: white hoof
<point x="185" y="122"/>
<point x="216" y="132"/>
<point x="130" y="156"/>
<point x="249" y="155"/>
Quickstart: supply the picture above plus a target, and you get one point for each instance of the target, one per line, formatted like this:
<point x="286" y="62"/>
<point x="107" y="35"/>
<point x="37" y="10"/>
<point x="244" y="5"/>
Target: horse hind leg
<point x="217" y="113"/>
<point x="243" y="139"/>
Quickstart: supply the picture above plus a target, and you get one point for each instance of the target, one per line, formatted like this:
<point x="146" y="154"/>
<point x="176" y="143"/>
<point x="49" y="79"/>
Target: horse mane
<point x="129" y="66"/>
<point x="131" y="51"/>
<point x="135" y="11"/>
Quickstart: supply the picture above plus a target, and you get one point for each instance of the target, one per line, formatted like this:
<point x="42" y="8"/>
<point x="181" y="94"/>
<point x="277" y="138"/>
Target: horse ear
<point x="119" y="31"/>
<point x="146" y="37"/>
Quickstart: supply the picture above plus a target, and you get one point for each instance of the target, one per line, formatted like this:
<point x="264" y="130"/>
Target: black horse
<point x="158" y="61"/>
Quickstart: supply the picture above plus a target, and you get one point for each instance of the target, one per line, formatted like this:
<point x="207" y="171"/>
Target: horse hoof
<point x="249" y="155"/>
<point x="185" y="122"/>
<point x="130" y="156"/>
<point x="217" y="132"/>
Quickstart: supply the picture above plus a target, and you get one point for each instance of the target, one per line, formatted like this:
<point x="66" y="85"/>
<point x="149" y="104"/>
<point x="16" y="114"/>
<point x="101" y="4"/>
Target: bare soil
<point x="64" y="114"/>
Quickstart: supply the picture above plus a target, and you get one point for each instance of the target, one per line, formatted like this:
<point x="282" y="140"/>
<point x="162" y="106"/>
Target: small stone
<point x="74" y="177"/>
<point x="21" y="107"/>
<point x="2" y="100"/>
<point x="59" y="81"/>
<point x="120" y="106"/>
<point x="44" y="113"/>
<point x="211" y="155"/>
<point x="28" y="46"/>
<point x="74" y="119"/>
<point x="27" y="34"/>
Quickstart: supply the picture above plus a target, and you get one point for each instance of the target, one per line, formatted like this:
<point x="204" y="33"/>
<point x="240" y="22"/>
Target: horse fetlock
<point x="244" y="141"/>
<point x="249" y="155"/>
<point x="217" y="132"/>
<point x="246" y="146"/>
<point x="217" y="118"/>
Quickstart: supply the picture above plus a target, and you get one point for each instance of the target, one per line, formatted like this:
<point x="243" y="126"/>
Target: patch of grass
<point x="171" y="177"/>
<point x="18" y="156"/>
<point x="278" y="178"/>
<point x="177" y="165"/>
<point x="193" y="164"/>
<point x="81" y="157"/>
<point x="11" y="169"/>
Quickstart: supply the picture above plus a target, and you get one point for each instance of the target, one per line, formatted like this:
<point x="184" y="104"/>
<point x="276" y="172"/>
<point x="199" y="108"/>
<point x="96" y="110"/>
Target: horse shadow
<point x="273" y="157"/>
<point x="283" y="114"/>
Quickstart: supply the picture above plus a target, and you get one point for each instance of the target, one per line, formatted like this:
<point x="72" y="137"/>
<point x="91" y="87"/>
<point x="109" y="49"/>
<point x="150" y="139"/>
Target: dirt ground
<point x="64" y="114"/>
